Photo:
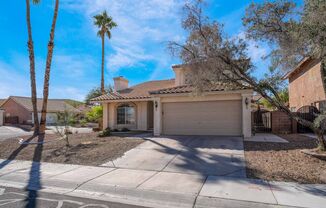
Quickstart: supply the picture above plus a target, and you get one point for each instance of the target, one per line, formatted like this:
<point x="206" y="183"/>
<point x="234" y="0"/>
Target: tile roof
<point x="2" y="100"/>
<point x="140" y="91"/>
<point x="189" y="89"/>
<point x="147" y="89"/>
<point x="54" y="105"/>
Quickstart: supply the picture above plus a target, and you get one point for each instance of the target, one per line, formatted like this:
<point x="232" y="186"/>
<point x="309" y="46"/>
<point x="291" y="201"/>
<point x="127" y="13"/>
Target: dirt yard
<point x="85" y="149"/>
<point x="285" y="161"/>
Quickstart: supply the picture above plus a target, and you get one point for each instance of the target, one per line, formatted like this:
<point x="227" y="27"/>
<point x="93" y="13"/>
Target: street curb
<point x="144" y="197"/>
<point x="208" y="202"/>
<point x="147" y="198"/>
<point x="132" y="196"/>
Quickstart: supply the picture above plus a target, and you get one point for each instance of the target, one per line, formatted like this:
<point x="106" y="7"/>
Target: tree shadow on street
<point x="34" y="181"/>
<point x="15" y="153"/>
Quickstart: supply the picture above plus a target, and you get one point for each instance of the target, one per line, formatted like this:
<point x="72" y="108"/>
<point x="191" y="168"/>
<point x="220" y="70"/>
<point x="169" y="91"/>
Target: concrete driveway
<point x="198" y="155"/>
<point x="7" y="132"/>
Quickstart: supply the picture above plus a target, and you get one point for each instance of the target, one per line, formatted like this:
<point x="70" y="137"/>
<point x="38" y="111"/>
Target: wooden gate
<point x="11" y="119"/>
<point x="262" y="121"/>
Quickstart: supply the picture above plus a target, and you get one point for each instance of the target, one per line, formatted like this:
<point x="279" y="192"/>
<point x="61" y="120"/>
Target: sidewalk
<point x="158" y="189"/>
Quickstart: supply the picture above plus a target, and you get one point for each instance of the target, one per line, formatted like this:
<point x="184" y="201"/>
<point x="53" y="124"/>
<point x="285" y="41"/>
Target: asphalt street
<point x="17" y="198"/>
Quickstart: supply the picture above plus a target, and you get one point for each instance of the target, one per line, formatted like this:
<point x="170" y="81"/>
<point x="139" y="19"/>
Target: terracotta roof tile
<point x="145" y="90"/>
<point x="140" y="91"/>
<point x="189" y="89"/>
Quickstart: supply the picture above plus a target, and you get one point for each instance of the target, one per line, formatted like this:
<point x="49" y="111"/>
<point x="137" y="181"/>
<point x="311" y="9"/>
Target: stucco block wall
<point x="281" y="123"/>
<point x="11" y="108"/>
<point x="306" y="86"/>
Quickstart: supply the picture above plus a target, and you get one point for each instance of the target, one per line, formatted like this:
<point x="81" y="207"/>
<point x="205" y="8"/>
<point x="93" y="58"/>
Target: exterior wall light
<point x="246" y="101"/>
<point x="155" y="104"/>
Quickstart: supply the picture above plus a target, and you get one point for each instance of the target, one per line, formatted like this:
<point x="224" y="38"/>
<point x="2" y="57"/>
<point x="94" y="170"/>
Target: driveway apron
<point x="198" y="155"/>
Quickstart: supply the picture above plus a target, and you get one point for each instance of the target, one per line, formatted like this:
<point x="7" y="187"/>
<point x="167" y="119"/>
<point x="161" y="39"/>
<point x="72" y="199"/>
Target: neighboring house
<point x="306" y="85"/>
<point x="20" y="109"/>
<point x="169" y="107"/>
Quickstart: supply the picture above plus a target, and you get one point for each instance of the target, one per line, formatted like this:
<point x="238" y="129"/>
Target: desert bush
<point x="105" y="133"/>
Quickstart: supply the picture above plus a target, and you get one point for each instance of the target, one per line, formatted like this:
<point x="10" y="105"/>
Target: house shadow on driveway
<point x="216" y="161"/>
<point x="197" y="155"/>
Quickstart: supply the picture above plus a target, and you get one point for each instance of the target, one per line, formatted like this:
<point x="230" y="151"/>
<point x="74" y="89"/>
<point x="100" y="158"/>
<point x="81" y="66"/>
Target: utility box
<point x="1" y="117"/>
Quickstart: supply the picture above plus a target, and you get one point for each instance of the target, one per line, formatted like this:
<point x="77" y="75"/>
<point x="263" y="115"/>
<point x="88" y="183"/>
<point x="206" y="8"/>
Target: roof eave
<point x="242" y="91"/>
<point x="295" y="69"/>
<point x="122" y="100"/>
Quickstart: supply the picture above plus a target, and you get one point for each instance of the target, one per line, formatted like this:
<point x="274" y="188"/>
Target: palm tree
<point x="105" y="24"/>
<point x="48" y="69"/>
<point x="32" y="66"/>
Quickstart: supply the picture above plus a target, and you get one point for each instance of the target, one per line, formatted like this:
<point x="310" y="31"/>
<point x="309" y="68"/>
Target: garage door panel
<point x="202" y="118"/>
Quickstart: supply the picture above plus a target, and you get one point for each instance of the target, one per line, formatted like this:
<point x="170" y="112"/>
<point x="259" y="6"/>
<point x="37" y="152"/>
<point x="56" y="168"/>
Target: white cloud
<point x="255" y="50"/>
<point x="68" y="92"/>
<point x="73" y="65"/>
<point x="133" y="56"/>
<point x="143" y="29"/>
<point x="12" y="82"/>
<point x="15" y="77"/>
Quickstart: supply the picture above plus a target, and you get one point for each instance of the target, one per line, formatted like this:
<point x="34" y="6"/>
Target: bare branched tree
<point x="214" y="58"/>
<point x="293" y="33"/>
<point x="63" y="125"/>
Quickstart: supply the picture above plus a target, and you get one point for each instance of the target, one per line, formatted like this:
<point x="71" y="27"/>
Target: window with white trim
<point x="126" y="114"/>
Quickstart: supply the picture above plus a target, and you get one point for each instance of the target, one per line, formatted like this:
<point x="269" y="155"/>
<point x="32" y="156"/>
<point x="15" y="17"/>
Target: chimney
<point x="120" y="83"/>
<point x="179" y="75"/>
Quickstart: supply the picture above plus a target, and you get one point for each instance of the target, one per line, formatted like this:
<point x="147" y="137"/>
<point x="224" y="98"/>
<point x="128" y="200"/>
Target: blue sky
<point x="136" y="51"/>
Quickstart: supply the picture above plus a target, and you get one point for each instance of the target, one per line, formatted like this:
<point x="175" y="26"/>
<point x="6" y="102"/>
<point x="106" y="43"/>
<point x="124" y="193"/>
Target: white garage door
<point x="203" y="118"/>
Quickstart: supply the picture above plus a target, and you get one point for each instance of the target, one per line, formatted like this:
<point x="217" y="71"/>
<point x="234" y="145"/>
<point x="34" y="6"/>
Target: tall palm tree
<point x="105" y="25"/>
<point x="30" y="45"/>
<point x="48" y="69"/>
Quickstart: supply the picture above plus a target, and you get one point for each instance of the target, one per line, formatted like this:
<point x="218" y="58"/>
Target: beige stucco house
<point x="306" y="85"/>
<point x="168" y="107"/>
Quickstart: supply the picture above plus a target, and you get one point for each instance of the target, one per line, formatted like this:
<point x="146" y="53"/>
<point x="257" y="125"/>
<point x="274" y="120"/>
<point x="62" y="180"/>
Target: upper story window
<point x="126" y="114"/>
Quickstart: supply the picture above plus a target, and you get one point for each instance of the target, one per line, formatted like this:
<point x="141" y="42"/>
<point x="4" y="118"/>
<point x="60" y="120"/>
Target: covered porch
<point x="130" y="114"/>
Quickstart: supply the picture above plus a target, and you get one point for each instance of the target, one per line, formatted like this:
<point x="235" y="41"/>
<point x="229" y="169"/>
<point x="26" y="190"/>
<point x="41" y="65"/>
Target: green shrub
<point x="95" y="114"/>
<point x="105" y="133"/>
<point x="83" y="122"/>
